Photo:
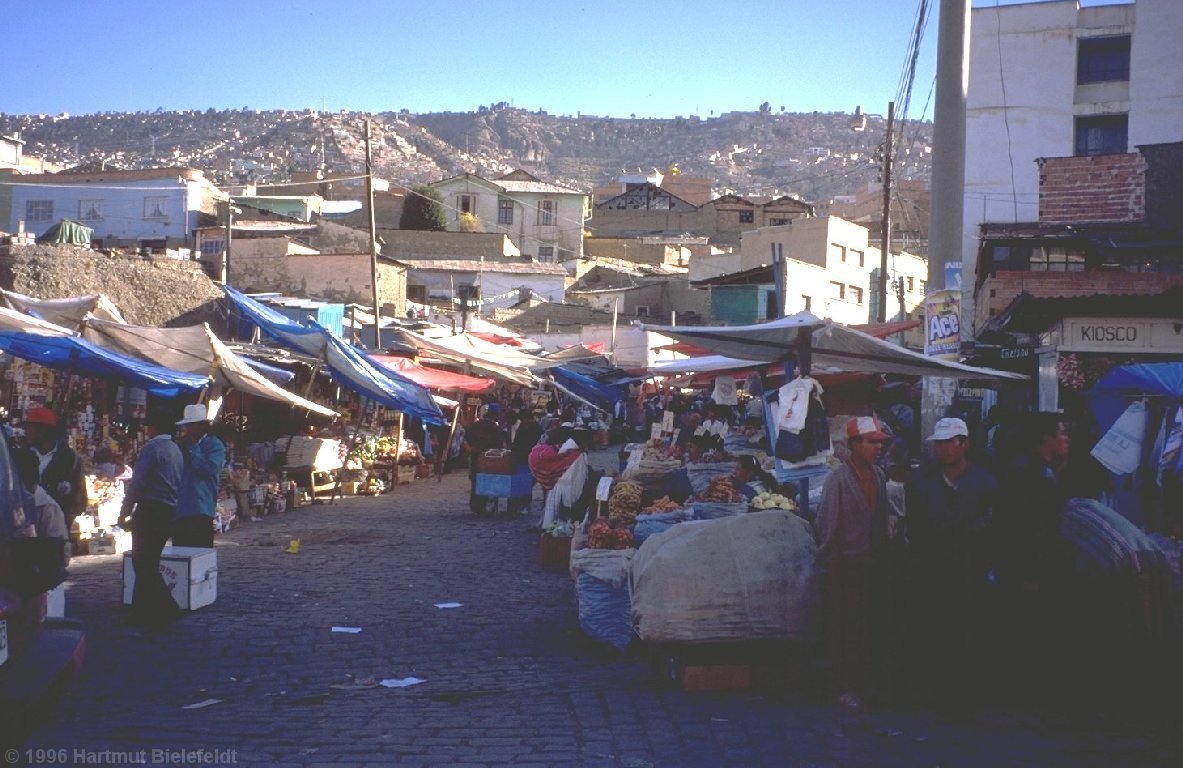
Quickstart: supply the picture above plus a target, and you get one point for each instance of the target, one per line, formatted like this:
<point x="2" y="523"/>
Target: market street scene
<point x="402" y="430"/>
<point x="508" y="677"/>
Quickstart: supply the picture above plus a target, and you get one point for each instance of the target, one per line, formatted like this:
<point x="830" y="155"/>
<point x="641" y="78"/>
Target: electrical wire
<point x="1010" y="148"/>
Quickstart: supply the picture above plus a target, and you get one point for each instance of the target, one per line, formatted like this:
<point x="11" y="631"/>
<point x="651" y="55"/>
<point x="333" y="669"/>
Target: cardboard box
<point x="495" y="461"/>
<point x="55" y="602"/>
<point x="190" y="573"/>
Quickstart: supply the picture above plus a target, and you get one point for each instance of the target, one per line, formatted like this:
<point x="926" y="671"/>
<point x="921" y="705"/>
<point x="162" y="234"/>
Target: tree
<point x="469" y="222"/>
<point x="423" y="209"/>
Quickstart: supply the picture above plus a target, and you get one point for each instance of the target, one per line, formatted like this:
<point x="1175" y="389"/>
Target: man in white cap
<point x="197" y="499"/>
<point x="950" y="507"/>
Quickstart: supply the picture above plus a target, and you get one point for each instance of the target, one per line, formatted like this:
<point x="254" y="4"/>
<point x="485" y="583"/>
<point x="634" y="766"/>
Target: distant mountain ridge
<point x="816" y="156"/>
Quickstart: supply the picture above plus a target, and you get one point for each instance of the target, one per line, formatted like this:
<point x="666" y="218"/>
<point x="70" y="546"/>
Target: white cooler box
<point x="190" y="573"/>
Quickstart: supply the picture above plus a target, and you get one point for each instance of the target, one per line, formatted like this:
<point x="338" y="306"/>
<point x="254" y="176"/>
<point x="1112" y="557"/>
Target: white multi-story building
<point x="545" y="221"/>
<point x="1053" y="79"/>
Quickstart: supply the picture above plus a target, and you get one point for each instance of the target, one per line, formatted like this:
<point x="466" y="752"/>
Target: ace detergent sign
<point x="942" y="316"/>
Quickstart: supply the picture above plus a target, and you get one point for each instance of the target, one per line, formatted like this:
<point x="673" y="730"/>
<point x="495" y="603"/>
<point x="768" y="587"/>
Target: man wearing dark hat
<point x="60" y="466"/>
<point x="481" y="435"/>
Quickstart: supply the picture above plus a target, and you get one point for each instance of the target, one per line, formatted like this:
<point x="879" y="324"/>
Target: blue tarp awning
<point x="600" y="395"/>
<point x="349" y="366"/>
<point x="66" y="353"/>
<point x="277" y="375"/>
<point x="1112" y="393"/>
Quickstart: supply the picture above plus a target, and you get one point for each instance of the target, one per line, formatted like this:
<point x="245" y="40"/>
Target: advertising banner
<point x="942" y="318"/>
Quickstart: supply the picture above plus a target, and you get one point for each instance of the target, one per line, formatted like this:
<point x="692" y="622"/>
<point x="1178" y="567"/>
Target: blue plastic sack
<point x="605" y="611"/>
<point x="650" y="525"/>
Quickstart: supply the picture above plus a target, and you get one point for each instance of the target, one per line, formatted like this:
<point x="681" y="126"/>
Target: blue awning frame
<point x="75" y="354"/>
<point x="602" y="396"/>
<point x="348" y="366"/>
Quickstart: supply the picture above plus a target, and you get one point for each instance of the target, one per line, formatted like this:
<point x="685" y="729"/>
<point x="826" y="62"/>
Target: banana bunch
<point x="768" y="500"/>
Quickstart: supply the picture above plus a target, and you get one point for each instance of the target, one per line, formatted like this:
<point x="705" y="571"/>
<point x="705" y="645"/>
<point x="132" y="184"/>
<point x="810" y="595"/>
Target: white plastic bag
<point x="1120" y="450"/>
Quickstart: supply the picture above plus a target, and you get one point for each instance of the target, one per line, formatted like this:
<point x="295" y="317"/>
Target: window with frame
<point x="838" y="252"/>
<point x="911" y="283"/>
<point x="546" y="213"/>
<point x="546" y="254"/>
<point x="838" y="289"/>
<point x="38" y="210"/>
<point x="747" y="217"/>
<point x="924" y="287"/>
<point x="465" y="204"/>
<point x="778" y="222"/>
<point x="856" y="294"/>
<point x="505" y="211"/>
<point x="1056" y="259"/>
<point x="858" y="256"/>
<point x="90" y="210"/>
<point x="808" y="302"/>
<point x="1103" y="59"/>
<point x="1101" y="135"/>
<point x="642" y="310"/>
<point x="155" y="206"/>
<point x="212" y="247"/>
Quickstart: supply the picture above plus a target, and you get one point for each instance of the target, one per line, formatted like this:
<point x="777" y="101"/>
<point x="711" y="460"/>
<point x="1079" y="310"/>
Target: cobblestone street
<point x="509" y="678"/>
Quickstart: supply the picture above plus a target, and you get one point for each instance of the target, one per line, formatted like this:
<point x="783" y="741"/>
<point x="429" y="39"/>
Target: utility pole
<point x="885" y="240"/>
<point x="948" y="183"/>
<point x="226" y="249"/>
<point x="373" y="241"/>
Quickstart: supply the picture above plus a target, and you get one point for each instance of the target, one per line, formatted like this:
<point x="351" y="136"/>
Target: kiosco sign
<point x="1122" y="334"/>
<point x="942" y="317"/>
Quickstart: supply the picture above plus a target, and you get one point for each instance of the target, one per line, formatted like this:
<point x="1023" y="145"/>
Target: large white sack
<point x="745" y="577"/>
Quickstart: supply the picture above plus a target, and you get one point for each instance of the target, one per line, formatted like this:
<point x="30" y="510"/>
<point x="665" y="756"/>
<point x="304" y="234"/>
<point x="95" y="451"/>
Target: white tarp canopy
<point x="193" y="349"/>
<point x="68" y="312"/>
<point x="484" y="357"/>
<point x="12" y="320"/>
<point x="832" y="346"/>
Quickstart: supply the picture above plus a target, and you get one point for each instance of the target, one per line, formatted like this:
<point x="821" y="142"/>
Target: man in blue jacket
<point x="197" y="501"/>
<point x="950" y="514"/>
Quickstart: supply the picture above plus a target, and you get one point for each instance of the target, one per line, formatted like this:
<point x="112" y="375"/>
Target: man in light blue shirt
<point x="197" y="500"/>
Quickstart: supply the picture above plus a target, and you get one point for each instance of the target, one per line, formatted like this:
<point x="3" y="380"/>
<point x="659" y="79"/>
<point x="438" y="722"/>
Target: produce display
<point x="607" y="534"/>
<point x="768" y="500"/>
<point x="720" y="490"/>
<point x="625" y="502"/>
<point x="664" y="504"/>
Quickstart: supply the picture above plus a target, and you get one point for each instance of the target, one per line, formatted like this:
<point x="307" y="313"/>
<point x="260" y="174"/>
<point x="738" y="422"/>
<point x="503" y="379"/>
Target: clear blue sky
<point x="600" y="57"/>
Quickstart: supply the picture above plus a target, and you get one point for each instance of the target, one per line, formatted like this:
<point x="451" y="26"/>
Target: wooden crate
<point x="405" y="473"/>
<point x="554" y="551"/>
<point x="767" y="665"/>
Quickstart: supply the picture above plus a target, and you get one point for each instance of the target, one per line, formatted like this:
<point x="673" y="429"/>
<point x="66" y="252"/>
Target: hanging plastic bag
<point x="1120" y="449"/>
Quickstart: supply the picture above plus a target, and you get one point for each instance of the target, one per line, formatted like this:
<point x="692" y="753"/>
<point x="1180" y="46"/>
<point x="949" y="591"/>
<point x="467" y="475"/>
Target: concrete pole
<point x="373" y="242"/>
<point x="948" y="148"/>
<point x="948" y="180"/>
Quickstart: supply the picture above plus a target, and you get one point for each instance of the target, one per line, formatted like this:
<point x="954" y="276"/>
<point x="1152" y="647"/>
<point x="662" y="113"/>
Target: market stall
<point x="101" y="396"/>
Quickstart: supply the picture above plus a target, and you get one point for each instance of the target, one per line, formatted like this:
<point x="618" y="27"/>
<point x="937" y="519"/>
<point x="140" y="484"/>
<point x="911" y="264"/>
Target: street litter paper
<point x="347" y="630"/>
<point x="406" y="682"/>
<point x="202" y="704"/>
<point x="448" y="605"/>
